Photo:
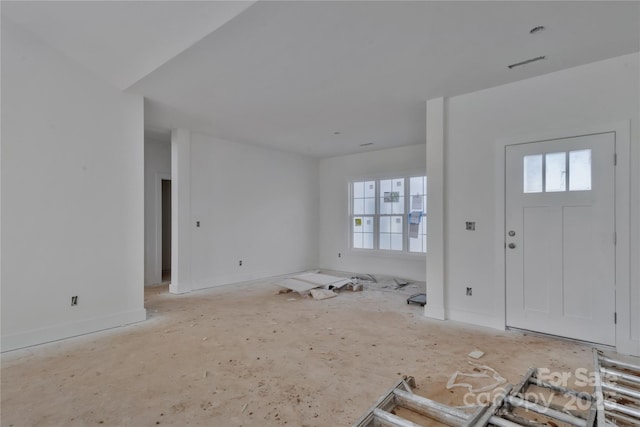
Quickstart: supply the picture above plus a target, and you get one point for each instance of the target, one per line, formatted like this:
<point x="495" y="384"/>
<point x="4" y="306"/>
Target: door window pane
<point x="580" y="170"/>
<point x="532" y="173"/>
<point x="556" y="172"/>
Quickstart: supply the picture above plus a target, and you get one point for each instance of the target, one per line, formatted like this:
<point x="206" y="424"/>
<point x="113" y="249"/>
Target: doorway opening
<point x="166" y="231"/>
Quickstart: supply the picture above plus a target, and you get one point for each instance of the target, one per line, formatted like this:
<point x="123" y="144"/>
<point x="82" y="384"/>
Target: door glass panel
<point x="555" y="173"/>
<point x="580" y="170"/>
<point x="533" y="174"/>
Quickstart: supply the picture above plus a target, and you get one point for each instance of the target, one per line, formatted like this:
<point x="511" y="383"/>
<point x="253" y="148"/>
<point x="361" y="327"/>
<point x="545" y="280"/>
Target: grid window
<point x="418" y="207"/>
<point x="389" y="214"/>
<point x="549" y="172"/>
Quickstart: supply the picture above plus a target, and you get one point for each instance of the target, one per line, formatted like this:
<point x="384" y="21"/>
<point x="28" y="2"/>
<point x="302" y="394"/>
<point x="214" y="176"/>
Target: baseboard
<point x="473" y="318"/>
<point x="251" y="280"/>
<point x="437" y="313"/>
<point x="68" y="330"/>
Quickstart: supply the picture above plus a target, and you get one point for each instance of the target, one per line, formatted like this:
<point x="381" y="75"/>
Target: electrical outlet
<point x="74" y="300"/>
<point x="339" y="255"/>
<point x="470" y="225"/>
<point x="197" y="223"/>
<point x="240" y="263"/>
<point x="469" y="291"/>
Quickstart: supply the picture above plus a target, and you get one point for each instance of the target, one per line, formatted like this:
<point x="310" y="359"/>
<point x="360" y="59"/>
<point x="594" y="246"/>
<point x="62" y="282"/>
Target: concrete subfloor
<point x="244" y="355"/>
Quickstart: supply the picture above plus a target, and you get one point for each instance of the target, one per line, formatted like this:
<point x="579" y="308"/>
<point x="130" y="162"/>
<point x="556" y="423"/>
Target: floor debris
<point x="476" y="354"/>
<point x="484" y="373"/>
<point x="321" y="294"/>
<point x="303" y="283"/>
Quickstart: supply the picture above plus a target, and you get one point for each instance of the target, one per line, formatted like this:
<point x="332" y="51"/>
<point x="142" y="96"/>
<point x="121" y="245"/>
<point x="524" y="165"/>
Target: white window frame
<point x="377" y="215"/>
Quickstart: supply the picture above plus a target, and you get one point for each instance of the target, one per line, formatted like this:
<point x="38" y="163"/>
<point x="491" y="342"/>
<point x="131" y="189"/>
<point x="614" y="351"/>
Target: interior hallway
<point x="247" y="356"/>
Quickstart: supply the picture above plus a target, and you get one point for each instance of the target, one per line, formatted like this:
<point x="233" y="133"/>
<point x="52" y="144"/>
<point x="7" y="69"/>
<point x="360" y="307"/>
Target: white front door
<point x="560" y="240"/>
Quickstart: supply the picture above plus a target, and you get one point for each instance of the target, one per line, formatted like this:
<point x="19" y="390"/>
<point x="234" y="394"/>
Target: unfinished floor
<point x="246" y="356"/>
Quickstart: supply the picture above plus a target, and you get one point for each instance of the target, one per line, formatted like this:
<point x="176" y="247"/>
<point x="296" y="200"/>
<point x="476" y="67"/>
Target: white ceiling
<point x="289" y="75"/>
<point x="122" y="41"/>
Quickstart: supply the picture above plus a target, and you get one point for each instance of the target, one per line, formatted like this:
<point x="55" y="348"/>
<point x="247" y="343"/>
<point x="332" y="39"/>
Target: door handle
<point x="512" y="245"/>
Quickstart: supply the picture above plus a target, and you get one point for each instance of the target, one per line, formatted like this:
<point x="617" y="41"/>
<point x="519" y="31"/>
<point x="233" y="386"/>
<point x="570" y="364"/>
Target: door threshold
<point x="559" y="337"/>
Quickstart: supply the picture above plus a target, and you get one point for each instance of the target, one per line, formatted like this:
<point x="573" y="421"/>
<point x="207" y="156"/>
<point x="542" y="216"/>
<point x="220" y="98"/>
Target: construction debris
<point x="476" y="354"/>
<point x="615" y="401"/>
<point x="617" y="391"/>
<point x="354" y="287"/>
<point x="303" y="283"/>
<point x="321" y="294"/>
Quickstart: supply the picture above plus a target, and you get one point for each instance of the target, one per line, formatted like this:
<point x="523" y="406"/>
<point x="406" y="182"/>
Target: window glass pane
<point x="398" y="185"/>
<point x="580" y="170"/>
<point x="396" y="224"/>
<point x="533" y="173"/>
<point x="385" y="207"/>
<point x="370" y="189"/>
<point x="358" y="190"/>
<point x="358" y="206"/>
<point x="357" y="240"/>
<point x="367" y="240"/>
<point x="415" y="184"/>
<point x="385" y="241"/>
<point x="555" y="172"/>
<point x="398" y="207"/>
<point x="415" y="245"/>
<point x="367" y="225"/>
<point x="396" y="242"/>
<point x="385" y="224"/>
<point x="385" y="186"/>
<point x="369" y="206"/>
<point x="417" y="193"/>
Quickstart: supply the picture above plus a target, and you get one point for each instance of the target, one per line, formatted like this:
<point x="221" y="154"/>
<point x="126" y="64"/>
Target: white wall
<point x="255" y="205"/>
<point x="72" y="197"/>
<point x="157" y="164"/>
<point x="335" y="174"/>
<point x="599" y="93"/>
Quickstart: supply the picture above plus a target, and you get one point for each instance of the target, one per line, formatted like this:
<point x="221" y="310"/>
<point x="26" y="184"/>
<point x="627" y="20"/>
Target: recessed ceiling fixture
<point x="366" y="144"/>
<point x="528" y="61"/>
<point x="537" y="29"/>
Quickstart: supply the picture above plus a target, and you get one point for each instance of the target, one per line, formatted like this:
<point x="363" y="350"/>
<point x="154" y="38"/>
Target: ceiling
<point x="321" y="78"/>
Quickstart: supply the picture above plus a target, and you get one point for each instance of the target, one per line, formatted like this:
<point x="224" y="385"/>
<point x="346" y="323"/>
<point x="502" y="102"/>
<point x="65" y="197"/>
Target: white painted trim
<point x="180" y="211"/>
<point x="624" y="342"/>
<point x="159" y="176"/>
<point x="71" y="329"/>
<point x="436" y="192"/>
<point x="486" y="320"/>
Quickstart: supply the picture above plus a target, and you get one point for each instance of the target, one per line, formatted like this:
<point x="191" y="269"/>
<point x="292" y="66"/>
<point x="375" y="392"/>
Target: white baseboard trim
<point x="437" y="313"/>
<point x="71" y="329"/>
<point x="473" y="318"/>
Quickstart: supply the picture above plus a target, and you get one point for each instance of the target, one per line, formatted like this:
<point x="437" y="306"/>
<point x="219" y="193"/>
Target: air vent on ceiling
<point x="528" y="61"/>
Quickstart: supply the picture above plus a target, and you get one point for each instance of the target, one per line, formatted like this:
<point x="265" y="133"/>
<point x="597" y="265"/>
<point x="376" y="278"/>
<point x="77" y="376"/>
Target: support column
<point x="180" y="211"/>
<point x="435" y="307"/>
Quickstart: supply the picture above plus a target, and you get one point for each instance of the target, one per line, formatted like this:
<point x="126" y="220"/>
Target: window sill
<point x="381" y="253"/>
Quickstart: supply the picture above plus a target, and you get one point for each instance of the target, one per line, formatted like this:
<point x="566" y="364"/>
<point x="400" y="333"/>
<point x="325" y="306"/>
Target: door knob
<point x="512" y="233"/>
<point x="512" y="245"/>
